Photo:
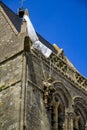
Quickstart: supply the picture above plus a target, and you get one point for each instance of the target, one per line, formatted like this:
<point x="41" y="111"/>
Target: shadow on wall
<point x="29" y="60"/>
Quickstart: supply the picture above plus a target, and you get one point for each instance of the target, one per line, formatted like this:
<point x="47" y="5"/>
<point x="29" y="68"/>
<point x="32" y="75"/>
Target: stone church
<point x="37" y="93"/>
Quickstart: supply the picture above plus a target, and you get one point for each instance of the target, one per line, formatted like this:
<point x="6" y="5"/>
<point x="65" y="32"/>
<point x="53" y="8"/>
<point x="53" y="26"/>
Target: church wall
<point x="11" y="47"/>
<point x="10" y="107"/>
<point x="40" y="71"/>
<point x="10" y="43"/>
<point x="23" y="103"/>
<point x="10" y="71"/>
<point x="10" y="93"/>
<point x="37" y="115"/>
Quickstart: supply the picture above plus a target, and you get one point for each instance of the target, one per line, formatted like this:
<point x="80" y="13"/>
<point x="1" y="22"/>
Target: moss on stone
<point x="2" y="86"/>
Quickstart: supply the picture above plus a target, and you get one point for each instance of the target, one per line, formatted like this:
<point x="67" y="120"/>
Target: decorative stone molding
<point x="63" y="67"/>
<point x="86" y="126"/>
<point x="71" y="115"/>
<point x="48" y="92"/>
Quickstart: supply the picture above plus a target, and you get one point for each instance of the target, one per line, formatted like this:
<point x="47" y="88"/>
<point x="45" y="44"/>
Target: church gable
<point x="9" y="40"/>
<point x="11" y="17"/>
<point x="37" y="92"/>
<point x="5" y="19"/>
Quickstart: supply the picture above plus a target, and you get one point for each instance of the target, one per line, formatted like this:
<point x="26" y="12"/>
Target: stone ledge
<point x="11" y="57"/>
<point x="4" y="86"/>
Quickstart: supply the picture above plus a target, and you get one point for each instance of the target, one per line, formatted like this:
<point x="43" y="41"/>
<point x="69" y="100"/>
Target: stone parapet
<point x="60" y="65"/>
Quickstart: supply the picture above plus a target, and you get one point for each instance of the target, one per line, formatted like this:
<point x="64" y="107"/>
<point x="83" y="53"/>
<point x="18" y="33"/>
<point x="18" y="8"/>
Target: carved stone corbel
<point x="48" y="92"/>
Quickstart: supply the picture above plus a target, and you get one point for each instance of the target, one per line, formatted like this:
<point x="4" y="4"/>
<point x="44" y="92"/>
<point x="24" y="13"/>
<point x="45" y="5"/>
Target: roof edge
<point x="8" y="20"/>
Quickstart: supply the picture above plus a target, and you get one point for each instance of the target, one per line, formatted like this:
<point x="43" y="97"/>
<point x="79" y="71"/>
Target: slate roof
<point x="16" y="21"/>
<point x="12" y="16"/>
<point x="46" y="43"/>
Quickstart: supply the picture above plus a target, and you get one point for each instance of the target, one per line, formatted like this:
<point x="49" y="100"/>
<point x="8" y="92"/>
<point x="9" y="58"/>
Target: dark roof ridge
<point x="14" y="18"/>
<point x="46" y="43"/>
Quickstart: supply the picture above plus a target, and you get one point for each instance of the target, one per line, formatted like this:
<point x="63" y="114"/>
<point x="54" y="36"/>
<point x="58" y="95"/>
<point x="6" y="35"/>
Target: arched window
<point x="61" y="116"/>
<point x="80" y="109"/>
<point x="60" y="101"/>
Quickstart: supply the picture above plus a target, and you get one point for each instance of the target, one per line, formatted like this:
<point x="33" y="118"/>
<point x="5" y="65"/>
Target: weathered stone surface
<point x="37" y="93"/>
<point x="66" y="92"/>
<point x="10" y="107"/>
<point x="37" y="119"/>
<point x="10" y="72"/>
<point x="10" y="44"/>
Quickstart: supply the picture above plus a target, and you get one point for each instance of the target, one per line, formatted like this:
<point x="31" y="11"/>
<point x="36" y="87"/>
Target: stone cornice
<point x="60" y="65"/>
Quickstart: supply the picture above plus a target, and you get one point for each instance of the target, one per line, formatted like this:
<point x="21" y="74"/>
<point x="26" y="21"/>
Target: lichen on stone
<point x="2" y="85"/>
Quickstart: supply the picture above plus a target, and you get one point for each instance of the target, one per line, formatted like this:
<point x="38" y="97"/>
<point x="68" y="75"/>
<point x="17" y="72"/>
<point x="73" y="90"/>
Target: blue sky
<point x="63" y="22"/>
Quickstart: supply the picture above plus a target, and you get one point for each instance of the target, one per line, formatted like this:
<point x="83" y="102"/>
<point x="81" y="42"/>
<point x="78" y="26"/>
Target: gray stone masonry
<point x="37" y="93"/>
